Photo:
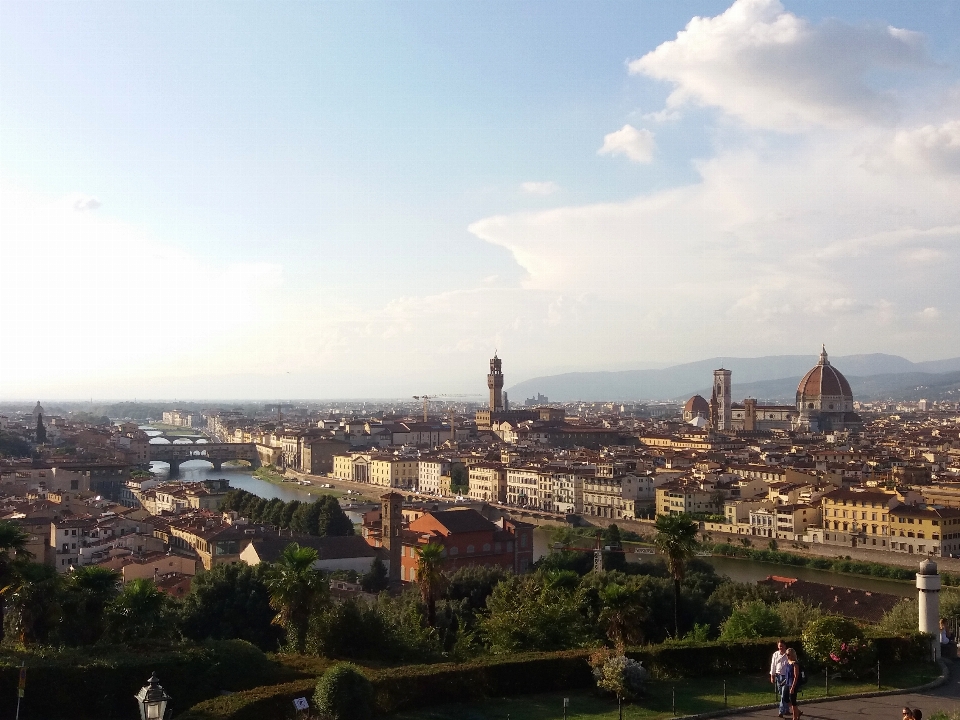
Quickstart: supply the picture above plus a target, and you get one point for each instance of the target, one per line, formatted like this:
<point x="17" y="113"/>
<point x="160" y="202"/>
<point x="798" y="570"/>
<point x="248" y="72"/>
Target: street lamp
<point x="153" y="700"/>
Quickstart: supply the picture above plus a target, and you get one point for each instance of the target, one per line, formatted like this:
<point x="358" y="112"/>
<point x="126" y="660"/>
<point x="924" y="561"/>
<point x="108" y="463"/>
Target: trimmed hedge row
<point x="99" y="683"/>
<point x="412" y="686"/>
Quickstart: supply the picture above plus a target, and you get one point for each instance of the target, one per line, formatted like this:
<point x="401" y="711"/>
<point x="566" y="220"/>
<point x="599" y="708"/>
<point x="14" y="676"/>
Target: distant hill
<point x="772" y="377"/>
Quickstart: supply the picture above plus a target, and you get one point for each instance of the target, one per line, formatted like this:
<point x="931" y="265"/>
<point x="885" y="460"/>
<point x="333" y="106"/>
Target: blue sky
<point x="365" y="199"/>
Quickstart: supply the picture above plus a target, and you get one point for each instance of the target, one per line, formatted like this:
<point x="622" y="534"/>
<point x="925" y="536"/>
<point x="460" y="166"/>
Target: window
<point x="470" y="548"/>
<point x="454" y="550"/>
<point x="486" y="547"/>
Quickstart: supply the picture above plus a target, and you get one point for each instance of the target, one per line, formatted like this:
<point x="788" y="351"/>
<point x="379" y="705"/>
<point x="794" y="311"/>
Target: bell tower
<point x="723" y="392"/>
<point x="495" y="383"/>
<point x="391" y="524"/>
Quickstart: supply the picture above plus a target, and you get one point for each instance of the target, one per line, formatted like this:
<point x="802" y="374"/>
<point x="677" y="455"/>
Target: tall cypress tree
<point x="41" y="430"/>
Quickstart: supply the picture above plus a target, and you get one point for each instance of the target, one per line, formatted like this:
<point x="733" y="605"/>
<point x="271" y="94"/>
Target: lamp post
<point x="153" y="700"/>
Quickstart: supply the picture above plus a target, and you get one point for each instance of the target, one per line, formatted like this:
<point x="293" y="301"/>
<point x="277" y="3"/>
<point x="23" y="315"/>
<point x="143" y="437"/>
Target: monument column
<point x="928" y="584"/>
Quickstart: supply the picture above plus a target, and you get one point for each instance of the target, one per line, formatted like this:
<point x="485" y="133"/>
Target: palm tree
<point x="32" y="601"/>
<point x="621" y="614"/>
<point x="677" y="539"/>
<point x="13" y="548"/>
<point x="296" y="591"/>
<point x="139" y="612"/>
<point x="90" y="589"/>
<point x="430" y="577"/>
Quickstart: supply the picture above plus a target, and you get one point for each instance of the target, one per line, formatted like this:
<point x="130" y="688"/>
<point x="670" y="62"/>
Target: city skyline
<point x="338" y="200"/>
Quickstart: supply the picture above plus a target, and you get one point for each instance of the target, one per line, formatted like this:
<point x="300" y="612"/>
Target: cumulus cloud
<point x="931" y="148"/>
<point x="774" y="70"/>
<point x="539" y="188"/>
<point x="637" y="145"/>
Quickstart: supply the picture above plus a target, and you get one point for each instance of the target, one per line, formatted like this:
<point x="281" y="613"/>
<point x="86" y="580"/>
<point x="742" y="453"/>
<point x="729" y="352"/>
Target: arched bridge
<point x="215" y="453"/>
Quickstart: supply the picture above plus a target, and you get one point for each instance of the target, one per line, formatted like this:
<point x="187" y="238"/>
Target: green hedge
<point x="99" y="682"/>
<point x="412" y="686"/>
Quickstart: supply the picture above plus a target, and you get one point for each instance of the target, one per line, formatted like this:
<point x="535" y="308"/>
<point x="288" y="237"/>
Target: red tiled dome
<point x="697" y="405"/>
<point x="823" y="379"/>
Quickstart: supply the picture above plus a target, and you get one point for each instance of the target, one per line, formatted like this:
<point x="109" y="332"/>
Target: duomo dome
<point x="825" y="400"/>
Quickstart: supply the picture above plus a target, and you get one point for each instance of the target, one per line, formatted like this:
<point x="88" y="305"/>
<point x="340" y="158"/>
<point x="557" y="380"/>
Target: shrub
<point x="344" y="693"/>
<point x="751" y="620"/>
<point x="839" y="644"/>
<point x="618" y="674"/>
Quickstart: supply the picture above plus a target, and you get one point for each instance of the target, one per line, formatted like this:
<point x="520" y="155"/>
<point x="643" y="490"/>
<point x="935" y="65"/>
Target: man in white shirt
<point x="778" y="671"/>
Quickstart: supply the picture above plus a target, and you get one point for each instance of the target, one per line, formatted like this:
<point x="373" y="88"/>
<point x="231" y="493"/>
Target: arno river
<point x="739" y="570"/>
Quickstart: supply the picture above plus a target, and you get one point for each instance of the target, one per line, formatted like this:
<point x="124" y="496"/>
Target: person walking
<point x="778" y="665"/>
<point x="791" y="682"/>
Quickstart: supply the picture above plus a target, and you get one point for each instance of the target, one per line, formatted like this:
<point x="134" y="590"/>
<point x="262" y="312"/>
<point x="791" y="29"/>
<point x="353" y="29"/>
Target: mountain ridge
<point x="896" y="373"/>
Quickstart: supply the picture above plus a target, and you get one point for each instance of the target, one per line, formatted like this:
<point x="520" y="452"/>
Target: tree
<point x="529" y="612"/>
<point x="376" y="578"/>
<point x="751" y="620"/>
<point x="140" y="612"/>
<point x="296" y="591"/>
<point x="622" y="614"/>
<point x="32" y="608"/>
<point x="677" y="539"/>
<point x="89" y="591"/>
<point x="459" y="480"/>
<point x="13" y="446"/>
<point x="430" y="577"/>
<point x="344" y="693"/>
<point x="619" y="675"/>
<point x="231" y="601"/>
<point x="41" y="430"/>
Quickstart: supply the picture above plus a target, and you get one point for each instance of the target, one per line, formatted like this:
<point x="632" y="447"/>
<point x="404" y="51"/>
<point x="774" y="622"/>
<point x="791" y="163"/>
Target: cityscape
<point x="442" y="361"/>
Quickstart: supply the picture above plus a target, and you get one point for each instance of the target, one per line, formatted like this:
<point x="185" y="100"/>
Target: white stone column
<point x="928" y="585"/>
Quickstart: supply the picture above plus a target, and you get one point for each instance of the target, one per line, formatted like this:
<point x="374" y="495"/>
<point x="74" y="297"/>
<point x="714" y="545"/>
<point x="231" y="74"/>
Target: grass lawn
<point x="692" y="696"/>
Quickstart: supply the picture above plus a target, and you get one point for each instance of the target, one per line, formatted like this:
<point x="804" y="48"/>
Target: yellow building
<point x="856" y="518"/>
<point x="925" y="530"/>
<point x="488" y="482"/>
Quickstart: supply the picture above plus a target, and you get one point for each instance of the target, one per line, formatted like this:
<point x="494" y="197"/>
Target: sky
<point x="367" y="199"/>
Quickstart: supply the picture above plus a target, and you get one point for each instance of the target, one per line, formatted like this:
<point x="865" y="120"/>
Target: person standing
<point x="778" y="665"/>
<point x="791" y="683"/>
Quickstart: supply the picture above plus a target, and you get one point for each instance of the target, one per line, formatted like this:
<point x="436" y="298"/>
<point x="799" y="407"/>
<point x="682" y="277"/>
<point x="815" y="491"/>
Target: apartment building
<point x="524" y="487"/>
<point x="377" y="469"/>
<point x="430" y="473"/>
<point x="488" y="482"/>
<point x="925" y="530"/>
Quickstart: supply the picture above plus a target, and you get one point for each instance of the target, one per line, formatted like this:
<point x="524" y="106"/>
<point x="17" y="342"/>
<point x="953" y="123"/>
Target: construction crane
<point x="598" y="550"/>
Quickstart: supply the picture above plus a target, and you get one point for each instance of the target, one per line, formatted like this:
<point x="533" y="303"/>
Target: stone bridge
<point x="214" y="453"/>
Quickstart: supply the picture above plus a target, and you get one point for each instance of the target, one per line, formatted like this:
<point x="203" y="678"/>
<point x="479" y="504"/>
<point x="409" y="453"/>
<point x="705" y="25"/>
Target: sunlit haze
<point x="346" y="199"/>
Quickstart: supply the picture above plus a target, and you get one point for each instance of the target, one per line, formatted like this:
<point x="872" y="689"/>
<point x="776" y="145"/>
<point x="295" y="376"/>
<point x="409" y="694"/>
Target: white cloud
<point x="83" y="203"/>
<point x="775" y="70"/>
<point x="773" y="249"/>
<point x="931" y="148"/>
<point x="637" y="145"/>
<point x="539" y="188"/>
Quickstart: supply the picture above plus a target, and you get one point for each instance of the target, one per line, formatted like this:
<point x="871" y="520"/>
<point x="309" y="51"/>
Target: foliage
<point x="344" y="693"/>
<point x="41" y="432"/>
<point x="140" y="612"/>
<point x="796" y="615"/>
<point x="618" y="674"/>
<point x="32" y="603"/>
<point x="296" y="590"/>
<point x="677" y="539"/>
<point x="376" y="578"/>
<point x="231" y="601"/>
<point x="88" y="591"/>
<point x="322" y="517"/>
<point x="459" y="480"/>
<point x="430" y="577"/>
<point x="901" y="619"/>
<point x="13" y="446"/>
<point x="622" y="613"/>
<point x="839" y="644"/>
<point x="750" y="620"/>
<point x="534" y="612"/>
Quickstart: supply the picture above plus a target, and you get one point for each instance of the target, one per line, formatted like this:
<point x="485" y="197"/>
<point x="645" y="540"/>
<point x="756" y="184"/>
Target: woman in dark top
<point x="791" y="682"/>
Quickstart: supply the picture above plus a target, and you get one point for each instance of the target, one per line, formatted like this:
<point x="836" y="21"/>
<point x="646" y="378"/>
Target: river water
<point x="735" y="568"/>
<point x="749" y="571"/>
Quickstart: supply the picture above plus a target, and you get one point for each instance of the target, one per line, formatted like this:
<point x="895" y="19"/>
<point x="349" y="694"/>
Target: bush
<point x="343" y="693"/>
<point x="752" y="620"/>
<point x="839" y="644"/>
